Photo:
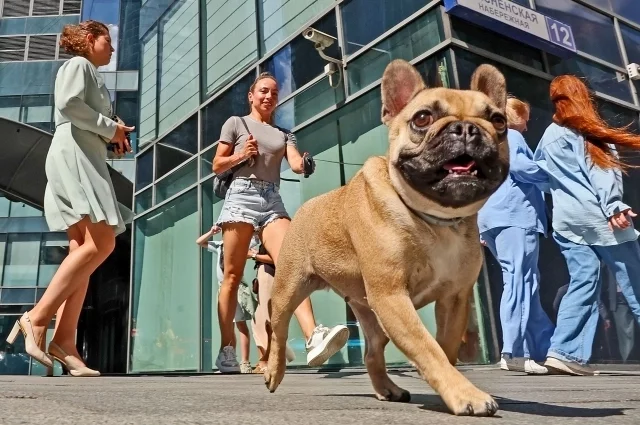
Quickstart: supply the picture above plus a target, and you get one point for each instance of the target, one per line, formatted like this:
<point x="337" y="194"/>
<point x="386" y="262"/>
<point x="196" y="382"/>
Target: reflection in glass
<point x="164" y="321"/>
<point x="177" y="146"/>
<point x="144" y="201"/>
<point x="206" y="162"/>
<point x="408" y="43"/>
<point x="55" y="247"/>
<point x="144" y="169"/>
<point x="177" y="181"/>
<point x="148" y="88"/>
<point x="626" y="8"/>
<point x="631" y="40"/>
<point x="233" y="101"/>
<point x="599" y="78"/>
<point x="21" y="259"/>
<point x="17" y="296"/>
<point x="281" y="18"/>
<point x="363" y="21"/>
<point x="496" y="43"/>
<point x="15" y="360"/>
<point x="179" y="64"/>
<point x="298" y="62"/>
<point x="128" y="34"/>
<point x="231" y="39"/>
<point x="587" y="26"/>
<point x="308" y="103"/>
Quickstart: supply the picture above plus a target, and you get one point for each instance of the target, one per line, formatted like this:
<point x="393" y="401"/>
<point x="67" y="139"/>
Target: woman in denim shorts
<point x="253" y="204"/>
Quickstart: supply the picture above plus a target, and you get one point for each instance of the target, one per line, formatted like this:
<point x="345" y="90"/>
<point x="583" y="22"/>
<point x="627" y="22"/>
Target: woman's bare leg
<point x="236" y="238"/>
<point x="98" y="243"/>
<point x="272" y="237"/>
<point x="244" y="341"/>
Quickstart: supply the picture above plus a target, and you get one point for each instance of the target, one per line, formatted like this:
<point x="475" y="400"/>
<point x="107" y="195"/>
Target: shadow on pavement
<point x="434" y="403"/>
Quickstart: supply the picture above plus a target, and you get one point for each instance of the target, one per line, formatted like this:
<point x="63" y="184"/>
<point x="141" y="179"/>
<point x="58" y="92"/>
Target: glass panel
<point x="281" y="18"/>
<point x="411" y="41"/>
<point x="148" y="88"/>
<point x="55" y="247"/>
<point x="309" y="103"/>
<point x="496" y="43"/>
<point x="177" y="146"/>
<point x="587" y="25"/>
<point x="626" y="8"/>
<point x="206" y="162"/>
<point x="18" y="209"/>
<point x="127" y="80"/>
<point x="17" y="296"/>
<point x="231" y="39"/>
<point x="365" y="20"/>
<point x="144" y="169"/>
<point x="298" y="62"/>
<point x="177" y="181"/>
<point x="4" y="207"/>
<point x="13" y="358"/>
<point x="48" y="25"/>
<point x="129" y="35"/>
<point x="598" y="77"/>
<point x="14" y="309"/>
<point x="211" y="207"/>
<point x="14" y="26"/>
<point x="164" y="324"/>
<point x="10" y="106"/>
<point x="232" y="102"/>
<point x="631" y="40"/>
<point x="21" y="259"/>
<point x="179" y="64"/>
<point x="127" y="109"/>
<point x="3" y="246"/>
<point x="37" y="110"/>
<point x="144" y="201"/>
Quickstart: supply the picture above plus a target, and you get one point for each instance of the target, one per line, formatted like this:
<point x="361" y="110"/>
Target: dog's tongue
<point x="459" y="167"/>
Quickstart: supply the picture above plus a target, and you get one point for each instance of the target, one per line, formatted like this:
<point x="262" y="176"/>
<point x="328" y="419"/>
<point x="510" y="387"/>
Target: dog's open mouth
<point x="462" y="166"/>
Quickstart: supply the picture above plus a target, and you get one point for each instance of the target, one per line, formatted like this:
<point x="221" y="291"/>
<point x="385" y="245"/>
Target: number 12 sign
<point x="560" y="34"/>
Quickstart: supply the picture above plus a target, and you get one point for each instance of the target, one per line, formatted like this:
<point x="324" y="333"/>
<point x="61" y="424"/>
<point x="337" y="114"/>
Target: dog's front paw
<point x="470" y="401"/>
<point x="275" y="372"/>
<point x="396" y="394"/>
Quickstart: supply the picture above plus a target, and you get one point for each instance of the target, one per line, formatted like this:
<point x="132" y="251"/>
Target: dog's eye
<point x="499" y="123"/>
<point x="421" y="120"/>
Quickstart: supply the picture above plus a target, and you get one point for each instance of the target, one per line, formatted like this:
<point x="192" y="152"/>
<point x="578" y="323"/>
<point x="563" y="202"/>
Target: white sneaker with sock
<point x="227" y="361"/>
<point x="324" y="343"/>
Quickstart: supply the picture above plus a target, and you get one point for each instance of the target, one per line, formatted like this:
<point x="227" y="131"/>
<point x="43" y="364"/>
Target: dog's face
<point x="448" y="148"/>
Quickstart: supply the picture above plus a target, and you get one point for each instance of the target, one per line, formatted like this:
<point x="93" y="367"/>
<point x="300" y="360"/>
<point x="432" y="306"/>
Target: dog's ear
<point x="400" y="83"/>
<point x="488" y="80"/>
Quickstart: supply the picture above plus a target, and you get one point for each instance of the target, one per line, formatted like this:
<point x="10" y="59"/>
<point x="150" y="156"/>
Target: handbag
<point x="222" y="181"/>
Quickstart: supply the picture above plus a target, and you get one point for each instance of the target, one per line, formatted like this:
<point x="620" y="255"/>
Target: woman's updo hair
<point x="262" y="76"/>
<point x="74" y="37"/>
<point x="516" y="111"/>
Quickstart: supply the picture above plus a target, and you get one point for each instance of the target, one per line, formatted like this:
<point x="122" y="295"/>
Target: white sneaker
<point x="533" y="368"/>
<point x="512" y="364"/>
<point x="324" y="343"/>
<point x="227" y="361"/>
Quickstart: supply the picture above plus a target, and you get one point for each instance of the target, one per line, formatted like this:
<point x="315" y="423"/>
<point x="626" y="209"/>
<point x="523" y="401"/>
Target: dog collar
<point x="438" y="221"/>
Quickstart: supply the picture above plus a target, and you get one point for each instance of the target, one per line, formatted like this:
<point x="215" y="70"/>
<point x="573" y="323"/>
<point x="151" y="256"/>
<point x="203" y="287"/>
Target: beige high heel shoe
<point x="73" y="365"/>
<point x="31" y="347"/>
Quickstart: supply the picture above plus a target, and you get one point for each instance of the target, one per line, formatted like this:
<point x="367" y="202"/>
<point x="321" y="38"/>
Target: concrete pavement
<point x="309" y="398"/>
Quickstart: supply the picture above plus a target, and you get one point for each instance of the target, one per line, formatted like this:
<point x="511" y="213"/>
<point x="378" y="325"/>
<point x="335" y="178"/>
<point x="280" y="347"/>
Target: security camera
<point x="320" y="39"/>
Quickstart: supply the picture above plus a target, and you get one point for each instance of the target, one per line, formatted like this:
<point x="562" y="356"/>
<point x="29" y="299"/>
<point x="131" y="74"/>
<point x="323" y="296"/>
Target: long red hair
<point x="575" y="109"/>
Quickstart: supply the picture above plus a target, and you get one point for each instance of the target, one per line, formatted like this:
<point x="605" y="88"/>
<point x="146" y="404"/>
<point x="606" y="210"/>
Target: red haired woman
<point x="590" y="221"/>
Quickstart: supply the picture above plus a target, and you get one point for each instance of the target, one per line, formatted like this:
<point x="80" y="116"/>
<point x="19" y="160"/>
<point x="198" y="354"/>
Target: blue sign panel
<point x="518" y="22"/>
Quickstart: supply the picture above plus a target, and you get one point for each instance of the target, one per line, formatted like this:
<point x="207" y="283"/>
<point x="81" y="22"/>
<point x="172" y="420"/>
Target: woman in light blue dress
<point x="79" y="197"/>
<point x="509" y="225"/>
<point x="591" y="222"/>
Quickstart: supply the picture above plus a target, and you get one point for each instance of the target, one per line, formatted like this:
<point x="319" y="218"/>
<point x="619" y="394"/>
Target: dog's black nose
<point x="464" y="131"/>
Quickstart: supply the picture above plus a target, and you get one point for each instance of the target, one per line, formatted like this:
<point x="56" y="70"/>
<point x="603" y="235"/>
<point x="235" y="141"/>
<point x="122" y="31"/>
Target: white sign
<point x="523" y="19"/>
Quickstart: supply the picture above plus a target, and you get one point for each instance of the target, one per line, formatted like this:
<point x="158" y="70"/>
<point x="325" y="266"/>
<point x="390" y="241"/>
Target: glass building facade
<point x="198" y="59"/>
<point x="30" y="57"/>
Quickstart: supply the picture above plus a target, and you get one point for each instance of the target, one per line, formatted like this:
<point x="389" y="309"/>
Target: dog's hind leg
<point x="452" y="315"/>
<point x="375" y="342"/>
<point x="290" y="288"/>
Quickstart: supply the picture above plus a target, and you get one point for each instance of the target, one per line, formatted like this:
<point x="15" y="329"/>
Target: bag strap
<point x="245" y="124"/>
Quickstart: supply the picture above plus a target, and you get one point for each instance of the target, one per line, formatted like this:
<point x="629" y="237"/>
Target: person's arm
<point x="295" y="160"/>
<point x="202" y="240"/>
<point x="71" y="84"/>
<point x="607" y="183"/>
<point x="226" y="157"/>
<point x="261" y="258"/>
<point x="522" y="167"/>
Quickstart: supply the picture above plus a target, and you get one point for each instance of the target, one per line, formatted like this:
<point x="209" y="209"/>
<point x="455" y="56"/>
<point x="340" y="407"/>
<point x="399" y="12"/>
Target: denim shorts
<point x="252" y="201"/>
